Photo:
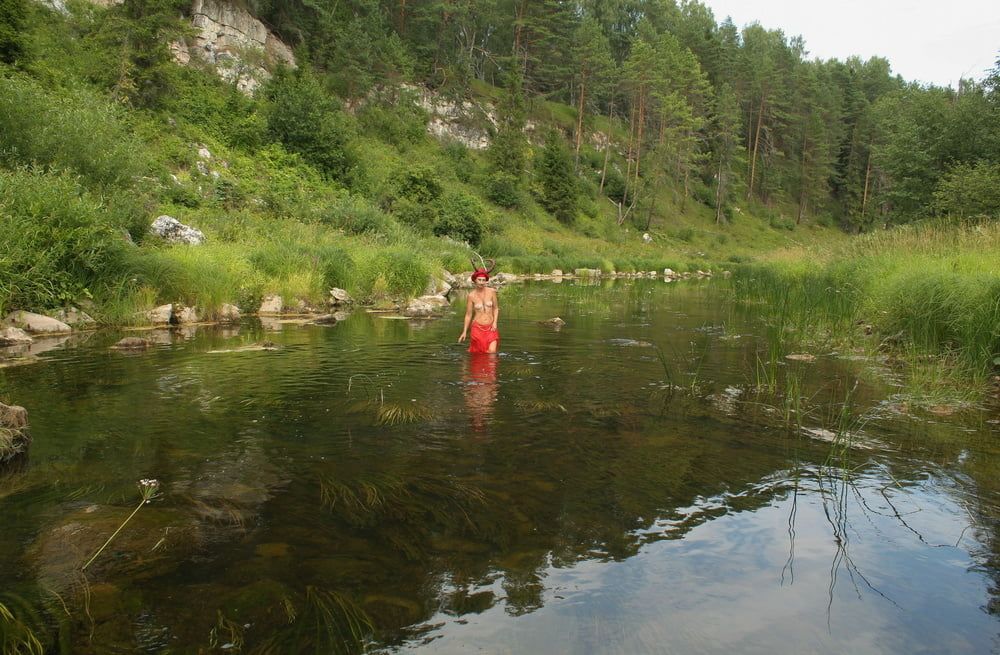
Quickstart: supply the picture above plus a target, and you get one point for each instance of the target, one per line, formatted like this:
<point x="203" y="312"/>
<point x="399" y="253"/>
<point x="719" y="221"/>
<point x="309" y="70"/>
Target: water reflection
<point x="308" y="506"/>
<point x="480" y="389"/>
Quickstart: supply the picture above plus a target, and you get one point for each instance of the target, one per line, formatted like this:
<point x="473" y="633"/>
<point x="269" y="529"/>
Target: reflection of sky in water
<point x="574" y="494"/>
<point x="720" y="590"/>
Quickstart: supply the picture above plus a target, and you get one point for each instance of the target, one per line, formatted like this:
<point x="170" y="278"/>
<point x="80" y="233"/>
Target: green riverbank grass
<point x="926" y="298"/>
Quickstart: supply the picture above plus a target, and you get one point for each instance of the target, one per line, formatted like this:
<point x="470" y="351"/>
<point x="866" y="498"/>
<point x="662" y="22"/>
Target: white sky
<point x="929" y="41"/>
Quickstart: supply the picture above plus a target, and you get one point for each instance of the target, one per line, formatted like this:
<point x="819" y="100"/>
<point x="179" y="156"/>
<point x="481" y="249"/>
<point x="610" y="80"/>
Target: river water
<point x="616" y="486"/>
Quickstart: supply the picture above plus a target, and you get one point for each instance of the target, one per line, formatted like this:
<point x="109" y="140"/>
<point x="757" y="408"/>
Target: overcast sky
<point x="930" y="41"/>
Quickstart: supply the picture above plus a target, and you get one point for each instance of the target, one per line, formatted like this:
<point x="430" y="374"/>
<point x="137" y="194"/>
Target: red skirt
<point x="481" y="338"/>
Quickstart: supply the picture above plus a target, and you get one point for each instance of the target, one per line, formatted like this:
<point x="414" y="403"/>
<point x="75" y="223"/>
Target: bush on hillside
<point x="12" y="16"/>
<point x="68" y="129"/>
<point x="504" y="189"/>
<point x="400" y="124"/>
<point x="460" y="217"/>
<point x="307" y="121"/>
<point x="56" y="240"/>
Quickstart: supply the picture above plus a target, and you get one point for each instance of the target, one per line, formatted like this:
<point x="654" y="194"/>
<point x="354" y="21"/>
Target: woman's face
<point x="481" y="282"/>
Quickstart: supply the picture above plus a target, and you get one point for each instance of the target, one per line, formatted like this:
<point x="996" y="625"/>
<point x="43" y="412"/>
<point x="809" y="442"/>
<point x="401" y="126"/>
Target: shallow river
<point x="616" y="486"/>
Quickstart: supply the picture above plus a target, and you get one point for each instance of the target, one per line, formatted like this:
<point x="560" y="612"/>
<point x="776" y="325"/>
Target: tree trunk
<point x="579" y="118"/>
<point x="756" y="145"/>
<point x="864" y="196"/>
<point x="802" y="181"/>
<point x="718" y="196"/>
<point x="607" y="146"/>
<point x="628" y="158"/>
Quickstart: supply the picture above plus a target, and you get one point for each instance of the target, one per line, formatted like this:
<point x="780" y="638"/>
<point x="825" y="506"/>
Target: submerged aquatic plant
<point x="19" y="627"/>
<point x="147" y="490"/>
<point x="329" y="623"/>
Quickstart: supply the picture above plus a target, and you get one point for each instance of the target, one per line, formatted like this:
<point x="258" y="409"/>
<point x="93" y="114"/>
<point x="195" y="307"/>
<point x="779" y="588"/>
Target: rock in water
<point x="132" y="343"/>
<point x="13" y="336"/>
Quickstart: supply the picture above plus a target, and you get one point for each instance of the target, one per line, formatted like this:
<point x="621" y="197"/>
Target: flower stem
<point x="101" y="549"/>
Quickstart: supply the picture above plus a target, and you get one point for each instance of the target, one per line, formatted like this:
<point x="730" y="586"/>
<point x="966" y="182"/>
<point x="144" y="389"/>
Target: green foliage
<point x="396" y="270"/>
<point x="555" y="172"/>
<point x="504" y="190"/>
<point x="460" y="217"/>
<point x="132" y="56"/>
<point x="68" y="129"/>
<point x="970" y="190"/>
<point x="400" y="124"/>
<point x="13" y="14"/>
<point x="307" y="121"/>
<point x="56" y="240"/>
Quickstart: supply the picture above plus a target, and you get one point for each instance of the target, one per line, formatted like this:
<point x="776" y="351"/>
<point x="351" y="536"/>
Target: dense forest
<point x="747" y="112"/>
<point x="721" y="142"/>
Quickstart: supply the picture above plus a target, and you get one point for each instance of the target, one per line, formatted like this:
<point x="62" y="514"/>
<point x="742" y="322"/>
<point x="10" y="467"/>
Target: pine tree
<point x="558" y="182"/>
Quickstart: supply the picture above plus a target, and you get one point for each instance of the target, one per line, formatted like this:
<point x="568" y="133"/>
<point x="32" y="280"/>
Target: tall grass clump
<point x="56" y="240"/>
<point x="926" y="288"/>
<point x="70" y="129"/>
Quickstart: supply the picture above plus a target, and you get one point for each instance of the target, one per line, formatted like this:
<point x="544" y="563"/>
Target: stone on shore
<point x="340" y="297"/>
<point x="271" y="306"/>
<point x="419" y="308"/>
<point x="228" y="313"/>
<point x="162" y="315"/>
<point x="75" y="318"/>
<point x="36" y="323"/>
<point x="184" y="315"/>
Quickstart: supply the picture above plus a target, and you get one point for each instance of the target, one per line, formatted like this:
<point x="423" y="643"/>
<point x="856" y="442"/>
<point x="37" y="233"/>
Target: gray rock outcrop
<point x="171" y="230"/>
<point x="237" y="45"/>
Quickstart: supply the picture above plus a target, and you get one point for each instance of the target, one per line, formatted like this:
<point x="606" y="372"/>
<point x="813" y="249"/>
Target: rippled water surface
<point x="616" y="486"/>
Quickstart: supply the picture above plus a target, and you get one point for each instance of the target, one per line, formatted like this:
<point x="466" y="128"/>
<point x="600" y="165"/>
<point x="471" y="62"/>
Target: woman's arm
<point x="496" y="309"/>
<point x="468" y="319"/>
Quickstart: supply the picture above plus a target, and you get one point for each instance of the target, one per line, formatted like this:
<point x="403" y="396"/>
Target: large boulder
<point x="438" y="285"/>
<point x="339" y="297"/>
<point x="271" y="306"/>
<point x="228" y="313"/>
<point x="171" y="230"/>
<point x="13" y="336"/>
<point x="36" y="323"/>
<point x="418" y="308"/>
<point x="162" y="315"/>
<point x="184" y="315"/>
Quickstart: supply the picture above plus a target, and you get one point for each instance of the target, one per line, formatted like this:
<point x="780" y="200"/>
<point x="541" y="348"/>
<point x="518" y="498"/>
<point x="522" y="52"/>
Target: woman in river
<point x="482" y="311"/>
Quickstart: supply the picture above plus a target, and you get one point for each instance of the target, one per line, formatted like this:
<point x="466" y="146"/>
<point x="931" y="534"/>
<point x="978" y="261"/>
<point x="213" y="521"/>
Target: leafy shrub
<point x="614" y="185"/>
<point x="12" y="17"/>
<point x="307" y="121"/>
<point x="782" y="223"/>
<point x="462" y="162"/>
<point x="72" y="129"/>
<point x="504" y="189"/>
<point x="969" y="190"/>
<point x="399" y="124"/>
<point x="56" y="240"/>
<point x="460" y="217"/>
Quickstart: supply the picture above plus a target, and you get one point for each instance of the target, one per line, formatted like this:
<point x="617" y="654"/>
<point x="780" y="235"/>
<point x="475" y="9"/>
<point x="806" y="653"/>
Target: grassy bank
<point x="925" y="294"/>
